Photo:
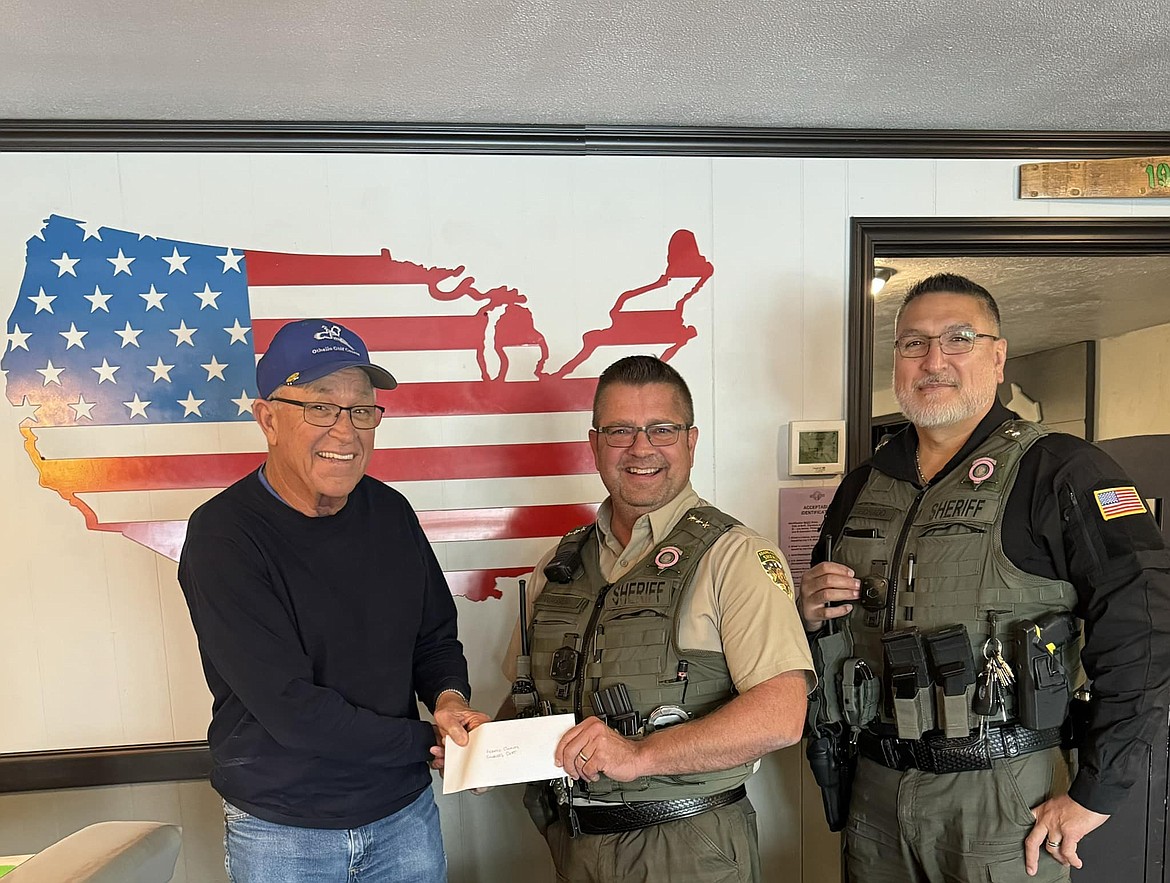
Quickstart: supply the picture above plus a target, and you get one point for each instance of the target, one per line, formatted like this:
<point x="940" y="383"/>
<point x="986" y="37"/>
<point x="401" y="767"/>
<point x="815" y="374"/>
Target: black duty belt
<point x="632" y="816"/>
<point x="967" y="753"/>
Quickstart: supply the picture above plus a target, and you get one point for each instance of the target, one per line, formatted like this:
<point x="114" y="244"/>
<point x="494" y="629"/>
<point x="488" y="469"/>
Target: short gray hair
<point x="951" y="283"/>
<point x="643" y="371"/>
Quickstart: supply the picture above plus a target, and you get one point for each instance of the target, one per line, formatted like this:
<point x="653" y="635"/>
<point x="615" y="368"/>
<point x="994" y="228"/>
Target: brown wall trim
<point x="90" y="767"/>
<point x="368" y="137"/>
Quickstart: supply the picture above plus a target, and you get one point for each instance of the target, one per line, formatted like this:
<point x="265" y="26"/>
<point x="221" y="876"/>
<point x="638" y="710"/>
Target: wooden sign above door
<point x="1147" y="176"/>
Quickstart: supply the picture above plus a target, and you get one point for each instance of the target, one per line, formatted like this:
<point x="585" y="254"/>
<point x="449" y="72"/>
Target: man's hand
<point x="438" y="752"/>
<point x="826" y="582"/>
<point x="1061" y="821"/>
<point x="439" y="760"/>
<point x="591" y="748"/>
<point x="455" y="718"/>
<point x="766" y="717"/>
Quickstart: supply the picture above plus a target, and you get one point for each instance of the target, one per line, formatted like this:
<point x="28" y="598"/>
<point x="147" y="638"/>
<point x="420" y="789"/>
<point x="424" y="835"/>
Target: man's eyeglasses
<point x="326" y="413"/>
<point x="661" y="435"/>
<point x="951" y="343"/>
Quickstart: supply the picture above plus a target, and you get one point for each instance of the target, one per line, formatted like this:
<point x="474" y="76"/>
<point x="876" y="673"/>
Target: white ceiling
<point x="886" y="64"/>
<point x="1071" y="65"/>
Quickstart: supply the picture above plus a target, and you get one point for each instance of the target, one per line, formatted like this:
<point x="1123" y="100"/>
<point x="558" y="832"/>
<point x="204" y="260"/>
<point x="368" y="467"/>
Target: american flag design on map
<point x="130" y="364"/>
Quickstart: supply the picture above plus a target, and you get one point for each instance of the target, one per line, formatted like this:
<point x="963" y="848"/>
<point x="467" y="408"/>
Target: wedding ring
<point x="1054" y="844"/>
<point x="584" y="757"/>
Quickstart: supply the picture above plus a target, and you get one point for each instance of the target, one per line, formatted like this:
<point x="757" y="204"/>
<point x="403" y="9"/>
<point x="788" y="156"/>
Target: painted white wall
<point x="95" y="627"/>
<point x="1133" y="370"/>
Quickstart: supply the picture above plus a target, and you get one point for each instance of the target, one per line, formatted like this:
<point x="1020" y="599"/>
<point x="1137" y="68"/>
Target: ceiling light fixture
<point x="881" y="275"/>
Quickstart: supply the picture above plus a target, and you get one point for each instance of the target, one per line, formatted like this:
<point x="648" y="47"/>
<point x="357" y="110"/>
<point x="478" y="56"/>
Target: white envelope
<point x="506" y="752"/>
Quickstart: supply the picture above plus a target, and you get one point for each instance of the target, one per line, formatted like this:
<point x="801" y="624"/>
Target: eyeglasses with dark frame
<point x="951" y="343"/>
<point x="661" y="435"/>
<point x="326" y="413"/>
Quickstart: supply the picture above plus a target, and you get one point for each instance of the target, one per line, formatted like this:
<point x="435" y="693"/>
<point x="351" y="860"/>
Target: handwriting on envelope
<point x="506" y="752"/>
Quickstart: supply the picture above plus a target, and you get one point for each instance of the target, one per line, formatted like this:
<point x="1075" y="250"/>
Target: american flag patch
<point x="1117" y="501"/>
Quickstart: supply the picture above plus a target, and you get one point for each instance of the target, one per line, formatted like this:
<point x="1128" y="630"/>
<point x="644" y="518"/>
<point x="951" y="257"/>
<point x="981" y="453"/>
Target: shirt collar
<point x="268" y="485"/>
<point x="653" y="526"/>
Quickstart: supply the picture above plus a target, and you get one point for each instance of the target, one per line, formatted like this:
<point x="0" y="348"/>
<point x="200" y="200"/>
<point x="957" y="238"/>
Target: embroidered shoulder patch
<point x="1115" y="502"/>
<point x="774" y="567"/>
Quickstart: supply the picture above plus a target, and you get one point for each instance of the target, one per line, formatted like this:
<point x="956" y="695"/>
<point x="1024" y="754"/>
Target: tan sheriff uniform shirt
<point x="742" y="602"/>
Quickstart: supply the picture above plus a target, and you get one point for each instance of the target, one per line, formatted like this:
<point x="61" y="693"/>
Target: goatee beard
<point x="932" y="415"/>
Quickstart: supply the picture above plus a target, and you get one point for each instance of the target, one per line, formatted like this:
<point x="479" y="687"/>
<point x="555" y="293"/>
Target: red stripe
<point x="542" y="396"/>
<point x="277" y="268"/>
<point x="401" y="333"/>
<point x="484" y="461"/>
<point x="454" y="525"/>
<point x="179" y="471"/>
<point x="639" y="326"/>
<point x="171" y="472"/>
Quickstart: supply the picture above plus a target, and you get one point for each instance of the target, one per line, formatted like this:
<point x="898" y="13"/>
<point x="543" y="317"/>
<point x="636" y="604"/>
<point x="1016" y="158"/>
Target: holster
<point x="833" y="767"/>
<point x="830" y="649"/>
<point x="541" y="805"/>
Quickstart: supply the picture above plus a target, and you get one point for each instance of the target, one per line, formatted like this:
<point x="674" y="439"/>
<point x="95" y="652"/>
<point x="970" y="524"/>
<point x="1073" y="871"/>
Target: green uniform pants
<point x="917" y="827"/>
<point x="718" y="846"/>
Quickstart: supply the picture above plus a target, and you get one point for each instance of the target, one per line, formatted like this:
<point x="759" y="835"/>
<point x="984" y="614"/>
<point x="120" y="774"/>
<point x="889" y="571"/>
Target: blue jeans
<point x="406" y="846"/>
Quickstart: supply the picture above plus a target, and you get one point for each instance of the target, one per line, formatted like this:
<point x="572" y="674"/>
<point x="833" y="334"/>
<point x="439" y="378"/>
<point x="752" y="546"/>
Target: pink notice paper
<point x="802" y="509"/>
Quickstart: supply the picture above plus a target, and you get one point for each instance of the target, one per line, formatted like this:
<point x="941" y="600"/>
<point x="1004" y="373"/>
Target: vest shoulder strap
<point x="703" y="523"/>
<point x="695" y="533"/>
<point x="700" y="526"/>
<point x="1024" y="433"/>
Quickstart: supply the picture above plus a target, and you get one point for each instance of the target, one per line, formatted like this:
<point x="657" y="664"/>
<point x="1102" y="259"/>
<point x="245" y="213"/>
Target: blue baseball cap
<point x="308" y="350"/>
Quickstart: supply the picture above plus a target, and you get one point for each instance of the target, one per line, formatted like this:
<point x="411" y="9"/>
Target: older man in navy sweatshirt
<point x="322" y="618"/>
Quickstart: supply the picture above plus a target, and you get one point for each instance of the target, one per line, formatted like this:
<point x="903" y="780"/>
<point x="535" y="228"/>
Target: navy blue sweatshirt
<point x="317" y="634"/>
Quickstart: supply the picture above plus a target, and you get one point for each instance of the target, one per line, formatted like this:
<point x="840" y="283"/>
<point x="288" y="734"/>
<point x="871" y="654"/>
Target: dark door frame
<point x="964" y="237"/>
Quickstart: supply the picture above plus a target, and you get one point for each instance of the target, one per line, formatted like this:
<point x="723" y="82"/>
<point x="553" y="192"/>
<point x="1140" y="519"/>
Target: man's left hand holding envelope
<point x="454" y="719"/>
<point x="503" y="753"/>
